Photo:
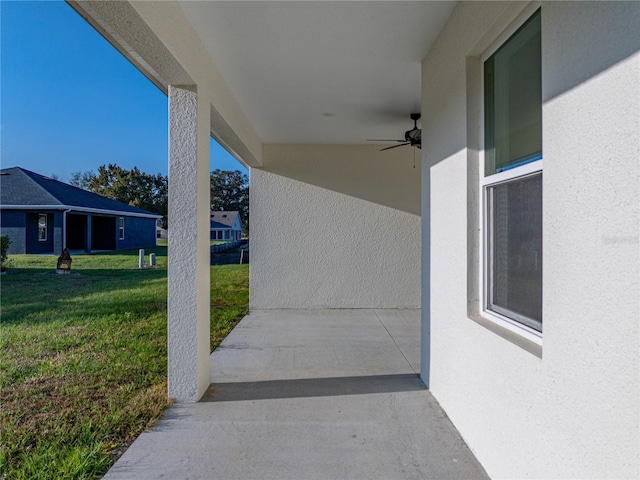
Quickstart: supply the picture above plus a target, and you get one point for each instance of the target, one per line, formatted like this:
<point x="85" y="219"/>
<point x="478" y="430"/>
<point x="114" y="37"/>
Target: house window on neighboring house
<point x="121" y="229"/>
<point x="42" y="227"/>
<point x="512" y="181"/>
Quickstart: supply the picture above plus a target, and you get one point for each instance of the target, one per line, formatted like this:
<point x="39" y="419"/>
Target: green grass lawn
<point x="83" y="367"/>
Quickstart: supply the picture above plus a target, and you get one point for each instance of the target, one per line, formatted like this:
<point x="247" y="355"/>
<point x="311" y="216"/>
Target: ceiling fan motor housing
<point x="414" y="136"/>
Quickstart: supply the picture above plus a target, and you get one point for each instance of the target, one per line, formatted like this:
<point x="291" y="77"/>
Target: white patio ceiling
<point x="326" y="72"/>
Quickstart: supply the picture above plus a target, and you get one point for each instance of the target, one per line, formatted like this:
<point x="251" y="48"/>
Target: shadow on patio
<point x="314" y="394"/>
<point x="312" y="387"/>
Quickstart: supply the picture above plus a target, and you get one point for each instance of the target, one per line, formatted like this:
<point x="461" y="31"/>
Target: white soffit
<point x="327" y="72"/>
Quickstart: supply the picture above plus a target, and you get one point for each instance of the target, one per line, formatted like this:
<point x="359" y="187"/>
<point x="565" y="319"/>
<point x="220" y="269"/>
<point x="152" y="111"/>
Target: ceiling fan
<point x="412" y="137"/>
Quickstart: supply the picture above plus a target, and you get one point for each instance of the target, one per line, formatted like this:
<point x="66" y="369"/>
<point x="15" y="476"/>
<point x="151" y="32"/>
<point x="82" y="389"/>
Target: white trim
<point x="64" y="228"/>
<point x="513" y="326"/>
<point x="511" y="174"/>
<point x="506" y="322"/>
<point x="72" y="208"/>
<point x="46" y="227"/>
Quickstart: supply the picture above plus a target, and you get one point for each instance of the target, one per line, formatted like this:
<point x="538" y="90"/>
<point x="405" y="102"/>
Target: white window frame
<point x="485" y="182"/>
<point x="46" y="227"/>
<point x="121" y="225"/>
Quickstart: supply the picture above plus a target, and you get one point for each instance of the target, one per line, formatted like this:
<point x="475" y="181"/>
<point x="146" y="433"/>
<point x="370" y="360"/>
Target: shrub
<point x="4" y="248"/>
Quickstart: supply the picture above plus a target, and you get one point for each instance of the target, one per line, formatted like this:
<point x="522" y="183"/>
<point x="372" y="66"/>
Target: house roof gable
<point x="20" y="187"/>
<point x="224" y="219"/>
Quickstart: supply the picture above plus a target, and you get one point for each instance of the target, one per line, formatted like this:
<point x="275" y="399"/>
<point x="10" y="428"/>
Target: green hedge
<point x="4" y="248"/>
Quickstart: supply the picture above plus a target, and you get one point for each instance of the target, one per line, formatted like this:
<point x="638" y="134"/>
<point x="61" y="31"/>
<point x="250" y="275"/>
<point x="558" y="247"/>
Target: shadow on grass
<point x="104" y="284"/>
<point x="159" y="250"/>
<point x="38" y="295"/>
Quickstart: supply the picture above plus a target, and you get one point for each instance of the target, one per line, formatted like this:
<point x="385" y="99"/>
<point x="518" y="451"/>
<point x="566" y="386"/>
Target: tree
<point x="82" y="179"/>
<point x="136" y="188"/>
<point x="230" y="191"/>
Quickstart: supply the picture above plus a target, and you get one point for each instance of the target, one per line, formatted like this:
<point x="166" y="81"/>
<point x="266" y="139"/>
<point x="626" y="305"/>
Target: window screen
<point x="515" y="249"/>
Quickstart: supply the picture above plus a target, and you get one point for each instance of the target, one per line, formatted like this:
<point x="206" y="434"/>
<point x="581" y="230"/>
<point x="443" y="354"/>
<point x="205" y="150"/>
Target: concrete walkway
<point x="313" y="394"/>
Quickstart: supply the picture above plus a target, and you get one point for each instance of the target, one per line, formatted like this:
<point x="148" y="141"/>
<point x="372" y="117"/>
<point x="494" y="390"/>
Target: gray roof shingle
<point x="223" y="219"/>
<point x="20" y="187"/>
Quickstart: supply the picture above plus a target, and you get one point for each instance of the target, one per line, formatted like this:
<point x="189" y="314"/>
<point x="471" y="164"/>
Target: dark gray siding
<point x="97" y="232"/>
<point x="12" y="224"/>
<point x="138" y="233"/>
<point x="33" y="244"/>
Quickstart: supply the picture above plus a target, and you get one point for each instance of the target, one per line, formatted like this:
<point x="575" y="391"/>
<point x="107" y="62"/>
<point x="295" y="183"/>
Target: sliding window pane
<point x="513" y="100"/>
<point x="515" y="249"/>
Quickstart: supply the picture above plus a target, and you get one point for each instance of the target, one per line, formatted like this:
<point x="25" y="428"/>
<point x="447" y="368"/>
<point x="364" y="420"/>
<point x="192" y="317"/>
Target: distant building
<point x="226" y="226"/>
<point x="162" y="232"/>
<point x="43" y="215"/>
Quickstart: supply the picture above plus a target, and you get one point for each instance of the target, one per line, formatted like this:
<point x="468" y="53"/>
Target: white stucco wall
<point x="574" y="412"/>
<point x="335" y="227"/>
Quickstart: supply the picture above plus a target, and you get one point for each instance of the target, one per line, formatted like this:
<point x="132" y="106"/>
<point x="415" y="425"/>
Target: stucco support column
<point x="188" y="270"/>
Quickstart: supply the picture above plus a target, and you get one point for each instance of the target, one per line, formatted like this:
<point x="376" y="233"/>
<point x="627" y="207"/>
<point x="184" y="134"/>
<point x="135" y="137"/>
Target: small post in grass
<point x="141" y="263"/>
<point x="152" y="259"/>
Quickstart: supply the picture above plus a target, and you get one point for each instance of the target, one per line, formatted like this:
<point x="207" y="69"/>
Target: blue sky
<point x="70" y="102"/>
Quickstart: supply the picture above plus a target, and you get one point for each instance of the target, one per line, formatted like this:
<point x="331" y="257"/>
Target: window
<point x="121" y="228"/>
<point x="512" y="182"/>
<point x="42" y="227"/>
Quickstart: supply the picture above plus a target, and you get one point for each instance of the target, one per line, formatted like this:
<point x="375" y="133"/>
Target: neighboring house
<point x="43" y="215"/>
<point x="162" y="232"/>
<point x="225" y="226"/>
<point x="527" y="275"/>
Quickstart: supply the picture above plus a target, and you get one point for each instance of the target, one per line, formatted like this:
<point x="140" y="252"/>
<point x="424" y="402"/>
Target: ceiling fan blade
<point x="412" y="137"/>
<point x="395" y="146"/>
<point x="382" y="140"/>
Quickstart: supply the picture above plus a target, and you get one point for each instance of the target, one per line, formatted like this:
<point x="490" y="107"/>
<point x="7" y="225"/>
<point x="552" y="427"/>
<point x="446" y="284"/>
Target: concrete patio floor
<point x="312" y="394"/>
